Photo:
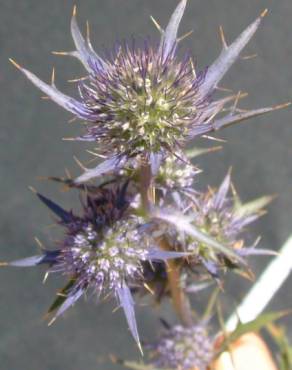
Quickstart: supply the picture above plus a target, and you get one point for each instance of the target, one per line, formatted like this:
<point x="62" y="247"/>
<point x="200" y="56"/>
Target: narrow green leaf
<point x="211" y="304"/>
<point x="139" y="366"/>
<point x="61" y="297"/>
<point x="254" y="206"/>
<point x="252" y="326"/>
<point x="285" y="349"/>
<point x="196" y="152"/>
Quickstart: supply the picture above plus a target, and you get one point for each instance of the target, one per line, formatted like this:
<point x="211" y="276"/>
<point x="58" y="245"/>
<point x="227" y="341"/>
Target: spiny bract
<point x="103" y="251"/>
<point x="211" y="225"/>
<point x="142" y="102"/>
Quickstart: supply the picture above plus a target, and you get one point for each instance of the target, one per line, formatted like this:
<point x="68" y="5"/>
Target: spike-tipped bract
<point x="214" y="223"/>
<point x="103" y="251"/>
<point x="140" y="105"/>
<point x="142" y="101"/>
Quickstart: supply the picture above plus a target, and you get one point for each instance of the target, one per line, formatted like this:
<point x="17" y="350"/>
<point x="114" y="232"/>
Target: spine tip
<point x="32" y="189"/>
<point x="264" y="13"/>
<point x="74" y="11"/>
<point x="14" y="63"/>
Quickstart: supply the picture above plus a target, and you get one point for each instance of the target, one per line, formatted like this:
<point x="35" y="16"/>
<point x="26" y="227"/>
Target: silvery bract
<point x="140" y="105"/>
<point x="103" y="251"/>
<point x="144" y="101"/>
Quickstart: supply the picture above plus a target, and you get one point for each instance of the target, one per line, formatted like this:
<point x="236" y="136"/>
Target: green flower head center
<point x="145" y="103"/>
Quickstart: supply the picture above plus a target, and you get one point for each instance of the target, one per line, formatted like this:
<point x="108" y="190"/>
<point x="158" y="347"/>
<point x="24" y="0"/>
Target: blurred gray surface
<point x="259" y="151"/>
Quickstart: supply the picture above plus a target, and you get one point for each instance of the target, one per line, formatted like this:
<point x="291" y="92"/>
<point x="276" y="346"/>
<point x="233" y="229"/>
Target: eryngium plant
<point x="144" y="228"/>
<point x="144" y="101"/>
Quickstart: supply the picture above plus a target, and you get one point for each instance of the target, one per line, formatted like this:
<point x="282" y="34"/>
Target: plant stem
<point x="180" y="300"/>
<point x="146" y="187"/>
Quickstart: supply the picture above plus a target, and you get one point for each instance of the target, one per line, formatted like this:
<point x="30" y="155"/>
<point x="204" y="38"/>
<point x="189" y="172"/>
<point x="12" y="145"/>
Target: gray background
<point x="31" y="147"/>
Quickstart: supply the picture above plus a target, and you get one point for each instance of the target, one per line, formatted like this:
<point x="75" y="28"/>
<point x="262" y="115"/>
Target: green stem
<point x="146" y="187"/>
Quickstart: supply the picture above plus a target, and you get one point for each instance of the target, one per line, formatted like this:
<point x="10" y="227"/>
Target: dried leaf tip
<point x="53" y="77"/>
<point x="45" y="277"/>
<point x="264" y="13"/>
<point x="51" y="322"/>
<point x="81" y="165"/>
<point x="3" y="264"/>
<point x="156" y="24"/>
<point x="88" y="31"/>
<point x="140" y="348"/>
<point x="74" y="11"/>
<point x="63" y="53"/>
<point x="222" y="37"/>
<point x="40" y="244"/>
<point x="32" y="189"/>
<point x="179" y="39"/>
<point x="15" y="63"/>
<point x="281" y="106"/>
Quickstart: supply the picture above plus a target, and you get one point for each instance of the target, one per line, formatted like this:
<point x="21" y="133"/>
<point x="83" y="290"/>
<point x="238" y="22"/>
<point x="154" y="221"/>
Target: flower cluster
<point x="223" y="218"/>
<point x="143" y="226"/>
<point x="184" y="348"/>
<point x="104" y="251"/>
<point x="210" y="227"/>
<point x="140" y="102"/>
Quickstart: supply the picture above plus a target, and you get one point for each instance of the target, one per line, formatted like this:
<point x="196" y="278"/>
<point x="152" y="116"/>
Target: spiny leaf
<point x="183" y="223"/>
<point x="127" y="303"/>
<point x="232" y="119"/>
<point x="84" y="51"/>
<point x="60" y="212"/>
<point x="66" y="102"/>
<point x="108" y="166"/>
<point x="169" y="37"/>
<point x="70" y="300"/>
<point x="227" y="57"/>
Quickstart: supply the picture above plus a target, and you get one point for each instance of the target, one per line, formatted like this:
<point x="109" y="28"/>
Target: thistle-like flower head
<point x="143" y="101"/>
<point x="215" y="213"/>
<point x="212" y="227"/>
<point x="103" y="251"/>
<point x="220" y="214"/>
<point x="184" y="348"/>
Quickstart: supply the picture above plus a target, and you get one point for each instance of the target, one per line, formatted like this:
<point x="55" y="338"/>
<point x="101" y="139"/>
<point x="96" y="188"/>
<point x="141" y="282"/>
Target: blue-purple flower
<point x="139" y="104"/>
<point x="211" y="226"/>
<point x="184" y="348"/>
<point x="144" y="101"/>
<point x="104" y="251"/>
